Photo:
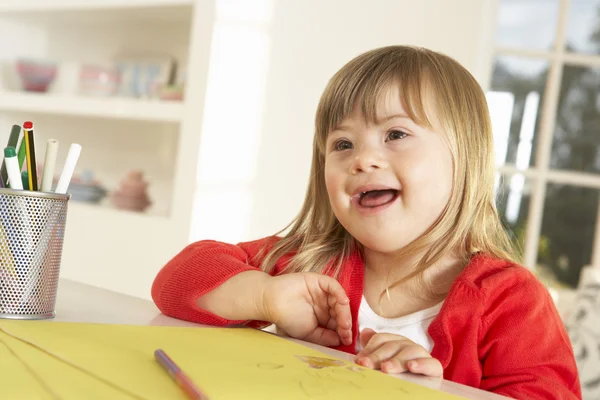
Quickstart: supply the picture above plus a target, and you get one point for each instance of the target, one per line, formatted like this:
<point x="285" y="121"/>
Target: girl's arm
<point x="220" y="284"/>
<point x="524" y="347"/>
<point x="198" y="284"/>
<point x="238" y="298"/>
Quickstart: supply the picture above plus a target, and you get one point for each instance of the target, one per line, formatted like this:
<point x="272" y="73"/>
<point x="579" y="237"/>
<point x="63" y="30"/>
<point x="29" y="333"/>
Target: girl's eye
<point x="341" y="145"/>
<point x="395" y="135"/>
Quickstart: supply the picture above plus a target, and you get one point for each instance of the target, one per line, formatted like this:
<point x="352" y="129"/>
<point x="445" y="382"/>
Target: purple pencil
<point x="179" y="376"/>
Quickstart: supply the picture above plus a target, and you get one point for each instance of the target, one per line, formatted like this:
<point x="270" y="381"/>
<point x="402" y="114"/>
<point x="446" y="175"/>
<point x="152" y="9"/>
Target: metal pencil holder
<point x="32" y="228"/>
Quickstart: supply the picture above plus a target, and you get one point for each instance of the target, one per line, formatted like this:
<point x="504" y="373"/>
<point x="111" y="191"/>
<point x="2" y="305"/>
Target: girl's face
<point x="388" y="181"/>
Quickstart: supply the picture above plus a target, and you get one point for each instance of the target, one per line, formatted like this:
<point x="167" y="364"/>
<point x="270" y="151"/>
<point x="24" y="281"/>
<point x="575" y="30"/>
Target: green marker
<point x="21" y="155"/>
<point x="12" y="168"/>
<point x="25" y="180"/>
<point x="12" y="142"/>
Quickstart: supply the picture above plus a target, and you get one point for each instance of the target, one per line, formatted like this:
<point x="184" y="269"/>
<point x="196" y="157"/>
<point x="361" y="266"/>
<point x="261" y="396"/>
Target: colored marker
<point x="13" y="139"/>
<point x="12" y="168"/>
<point x="25" y="180"/>
<point x="30" y="155"/>
<point x="179" y="376"/>
<point x="21" y="154"/>
<point x="49" y="165"/>
<point x="68" y="169"/>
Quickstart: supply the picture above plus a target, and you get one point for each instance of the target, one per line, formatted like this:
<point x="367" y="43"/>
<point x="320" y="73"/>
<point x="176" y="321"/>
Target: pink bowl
<point x="36" y="76"/>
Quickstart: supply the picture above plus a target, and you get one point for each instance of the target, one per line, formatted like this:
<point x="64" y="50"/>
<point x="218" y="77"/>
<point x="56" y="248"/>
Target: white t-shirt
<point x="413" y="326"/>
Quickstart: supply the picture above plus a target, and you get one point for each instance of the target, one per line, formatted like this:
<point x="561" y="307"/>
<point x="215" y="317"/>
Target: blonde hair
<point x="468" y="224"/>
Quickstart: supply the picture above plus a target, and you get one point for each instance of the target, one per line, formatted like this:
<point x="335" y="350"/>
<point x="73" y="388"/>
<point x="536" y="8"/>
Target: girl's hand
<point x="309" y="306"/>
<point x="394" y="354"/>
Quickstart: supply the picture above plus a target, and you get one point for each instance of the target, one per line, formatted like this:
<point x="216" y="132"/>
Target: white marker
<point x="68" y="169"/>
<point x="12" y="168"/>
<point x="49" y="165"/>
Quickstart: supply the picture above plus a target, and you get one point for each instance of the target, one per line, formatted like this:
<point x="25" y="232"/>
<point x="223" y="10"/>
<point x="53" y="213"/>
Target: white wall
<point x="256" y="184"/>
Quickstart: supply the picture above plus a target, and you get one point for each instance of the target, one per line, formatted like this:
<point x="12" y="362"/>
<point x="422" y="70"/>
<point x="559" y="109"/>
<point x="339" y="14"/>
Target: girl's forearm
<point x="238" y="298"/>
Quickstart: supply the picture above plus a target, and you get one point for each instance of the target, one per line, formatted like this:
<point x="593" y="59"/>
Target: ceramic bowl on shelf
<point x="99" y="80"/>
<point x="86" y="193"/>
<point x="36" y="76"/>
<point x="84" y="187"/>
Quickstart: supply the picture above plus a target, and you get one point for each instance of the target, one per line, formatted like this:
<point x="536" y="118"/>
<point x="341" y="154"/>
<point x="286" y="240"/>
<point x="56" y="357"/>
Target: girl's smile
<point x="374" y="198"/>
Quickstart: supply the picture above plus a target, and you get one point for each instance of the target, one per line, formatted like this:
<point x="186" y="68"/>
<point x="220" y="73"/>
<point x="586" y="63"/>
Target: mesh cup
<point x="32" y="228"/>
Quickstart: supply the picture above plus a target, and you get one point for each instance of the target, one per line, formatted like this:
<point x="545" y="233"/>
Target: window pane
<point x="528" y="24"/>
<point x="513" y="193"/>
<point x="567" y="233"/>
<point x="583" y="26"/>
<point x="576" y="143"/>
<point x="515" y="99"/>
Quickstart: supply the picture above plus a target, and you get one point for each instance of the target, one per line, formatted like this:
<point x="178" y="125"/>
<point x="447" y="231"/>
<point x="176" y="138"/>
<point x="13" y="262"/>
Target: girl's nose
<point x="367" y="160"/>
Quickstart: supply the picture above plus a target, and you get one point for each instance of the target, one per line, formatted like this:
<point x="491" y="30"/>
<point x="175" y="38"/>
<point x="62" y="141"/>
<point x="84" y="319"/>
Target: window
<point x="544" y="99"/>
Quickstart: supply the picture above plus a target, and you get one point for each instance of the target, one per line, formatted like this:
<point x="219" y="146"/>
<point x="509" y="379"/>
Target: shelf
<point x="82" y="12"/>
<point x="106" y="212"/>
<point x="79" y="5"/>
<point x="109" y="107"/>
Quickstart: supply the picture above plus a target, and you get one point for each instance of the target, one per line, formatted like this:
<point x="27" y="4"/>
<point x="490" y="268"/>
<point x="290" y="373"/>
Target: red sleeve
<point x="198" y="269"/>
<point x="524" y="347"/>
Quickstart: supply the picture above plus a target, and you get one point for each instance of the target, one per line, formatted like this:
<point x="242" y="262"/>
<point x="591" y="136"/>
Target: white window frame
<point x="541" y="174"/>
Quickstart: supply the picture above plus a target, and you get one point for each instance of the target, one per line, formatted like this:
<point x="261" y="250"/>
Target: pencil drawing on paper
<point x="321" y="381"/>
<point x="321" y="362"/>
<point x="269" y="365"/>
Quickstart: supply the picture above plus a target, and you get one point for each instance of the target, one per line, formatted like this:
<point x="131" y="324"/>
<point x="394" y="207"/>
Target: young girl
<point x="398" y="254"/>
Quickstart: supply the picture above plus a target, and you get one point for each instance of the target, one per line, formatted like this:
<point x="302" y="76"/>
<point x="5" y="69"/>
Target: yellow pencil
<point x="30" y="155"/>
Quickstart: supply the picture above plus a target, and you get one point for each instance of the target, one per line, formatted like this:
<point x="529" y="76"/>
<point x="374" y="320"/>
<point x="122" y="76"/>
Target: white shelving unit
<point x="111" y="108"/>
<point x="104" y="246"/>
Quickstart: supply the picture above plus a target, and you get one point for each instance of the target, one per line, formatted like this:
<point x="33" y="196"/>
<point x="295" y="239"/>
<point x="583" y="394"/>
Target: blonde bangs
<point x="363" y="82"/>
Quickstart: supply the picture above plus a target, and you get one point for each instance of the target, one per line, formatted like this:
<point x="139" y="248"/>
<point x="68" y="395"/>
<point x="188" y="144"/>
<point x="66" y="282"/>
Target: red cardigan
<point x="498" y="329"/>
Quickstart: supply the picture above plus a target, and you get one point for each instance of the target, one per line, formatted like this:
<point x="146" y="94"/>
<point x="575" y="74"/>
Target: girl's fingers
<point x="334" y="288"/>
<point x="338" y="300"/>
<point x="332" y="305"/>
<point x="332" y="323"/>
<point x="411" y="352"/>
<point x="344" y="332"/>
<point x="319" y="302"/>
<point x="408" y="354"/>
<point x="374" y="341"/>
<point x="365" y="336"/>
<point x="345" y="335"/>
<point x="425" y="366"/>
<point x="385" y="352"/>
<point x="343" y="315"/>
<point x="393" y="366"/>
<point x="322" y="314"/>
<point x="340" y="313"/>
